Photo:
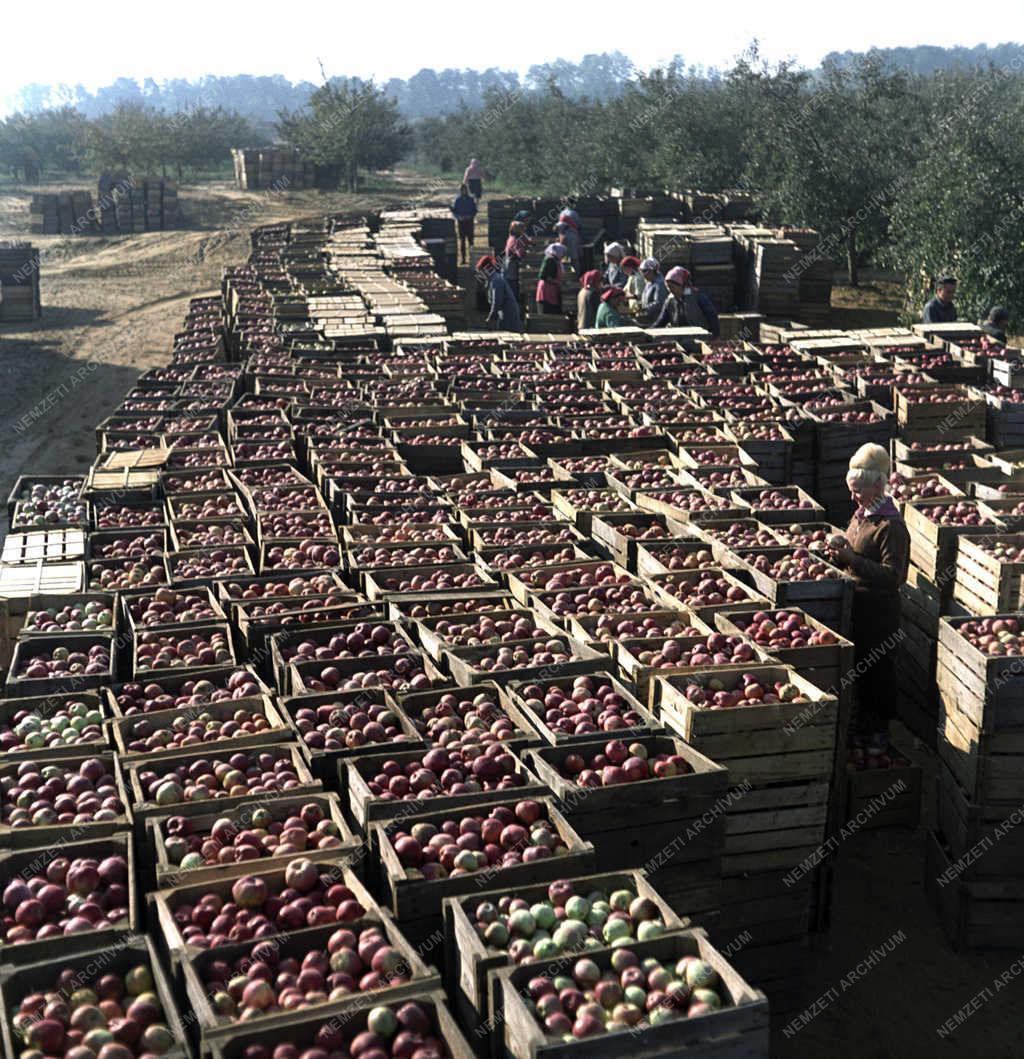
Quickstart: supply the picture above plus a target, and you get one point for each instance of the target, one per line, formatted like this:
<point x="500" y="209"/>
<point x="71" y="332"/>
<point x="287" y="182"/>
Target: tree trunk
<point x="851" y="258"/>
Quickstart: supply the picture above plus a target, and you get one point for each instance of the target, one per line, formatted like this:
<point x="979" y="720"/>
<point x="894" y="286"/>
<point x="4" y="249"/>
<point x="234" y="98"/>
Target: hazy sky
<point x="63" y="42"/>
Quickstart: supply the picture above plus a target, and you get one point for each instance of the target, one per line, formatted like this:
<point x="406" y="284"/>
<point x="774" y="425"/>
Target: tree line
<point x="431" y="93"/>
<point x="63" y="141"/>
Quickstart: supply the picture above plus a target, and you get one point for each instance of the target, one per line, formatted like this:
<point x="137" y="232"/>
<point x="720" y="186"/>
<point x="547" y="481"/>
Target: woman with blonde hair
<point x="876" y="552"/>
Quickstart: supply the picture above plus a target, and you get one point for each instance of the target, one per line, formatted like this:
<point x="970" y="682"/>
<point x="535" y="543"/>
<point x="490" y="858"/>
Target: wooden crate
<point x="977" y="915"/>
<point x="163" y="873"/>
<point x="656" y="556"/>
<point x="57" y="834"/>
<point x="366" y="809"/>
<point x="961" y="415"/>
<point x="43" y="643"/>
<point x="213" y="1026"/>
<point x="434" y="643"/>
<point x="280" y="642"/>
<point x="627" y="652"/>
<point x="299" y="1028"/>
<point x="775" y="827"/>
<point x="933" y="548"/>
<point x="463" y="664"/>
<point x="416" y="903"/>
<point x="766" y="907"/>
<point x="143" y="808"/>
<point x="984" y="840"/>
<point x="888" y="797"/>
<point x="827" y="666"/>
<point x="738" y="1028"/>
<point x="665" y="584"/>
<point x="88" y="966"/>
<point x="277" y="732"/>
<point x="176" y="951"/>
<point x="987" y="689"/>
<point x="987" y="764"/>
<point x="375" y="589"/>
<point x="21" y="864"/>
<point x="514" y="695"/>
<point x="622" y="547"/>
<point x="984" y="584"/>
<point x="413" y="704"/>
<point x="759" y="744"/>
<point x="829" y="601"/>
<point x="809" y="509"/>
<point x="470" y="962"/>
<point x="46" y="706"/>
<point x="630" y="822"/>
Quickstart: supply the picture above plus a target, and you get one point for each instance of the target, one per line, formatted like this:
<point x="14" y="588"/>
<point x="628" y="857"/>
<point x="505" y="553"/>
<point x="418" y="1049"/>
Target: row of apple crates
<point x="706" y="872"/>
<point x="176" y="974"/>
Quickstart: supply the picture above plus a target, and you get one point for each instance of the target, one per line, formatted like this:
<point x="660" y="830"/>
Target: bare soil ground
<point x="111" y="307"/>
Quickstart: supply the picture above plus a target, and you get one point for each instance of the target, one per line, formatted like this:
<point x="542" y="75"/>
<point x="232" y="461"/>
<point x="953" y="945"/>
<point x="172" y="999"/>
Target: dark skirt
<point x="466" y="229"/>
<point x="476" y="188"/>
<point x="876" y="639"/>
<point x="549" y="309"/>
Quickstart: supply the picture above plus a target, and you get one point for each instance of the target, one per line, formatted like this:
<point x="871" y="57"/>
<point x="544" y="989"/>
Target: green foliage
<point x="132" y="136"/>
<point x="348" y="125"/>
<point x="962" y="210"/>
<point x="832" y="151"/>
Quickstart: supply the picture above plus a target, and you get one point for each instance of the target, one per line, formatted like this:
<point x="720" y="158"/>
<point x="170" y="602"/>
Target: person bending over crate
<point x="876" y="551"/>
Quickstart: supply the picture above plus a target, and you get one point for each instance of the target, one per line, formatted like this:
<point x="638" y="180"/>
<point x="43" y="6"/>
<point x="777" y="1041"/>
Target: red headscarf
<point x="487" y="261"/>
<point x="592" y="279"/>
<point x="633" y="262"/>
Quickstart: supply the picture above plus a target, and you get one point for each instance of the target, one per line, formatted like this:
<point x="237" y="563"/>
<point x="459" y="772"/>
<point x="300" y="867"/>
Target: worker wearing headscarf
<point x="614" y="274"/>
<point x="686" y="306"/>
<point x="550" y="280"/>
<point x="613" y="304"/>
<point x="588" y="301"/>
<point x="569" y="234"/>
<point x="473" y="178"/>
<point x="504" y="309"/>
<point x="654" y="293"/>
<point x="569" y="213"/>
<point x="516" y="246"/>
<point x="635" y="282"/>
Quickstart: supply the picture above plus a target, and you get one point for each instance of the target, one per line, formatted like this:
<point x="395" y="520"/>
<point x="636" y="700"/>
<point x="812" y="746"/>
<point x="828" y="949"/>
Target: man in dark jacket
<point x="996" y="324"/>
<point x="941" y="310"/>
<point x="686" y="306"/>
<point x="464" y="208"/>
<point x="504" y="309"/>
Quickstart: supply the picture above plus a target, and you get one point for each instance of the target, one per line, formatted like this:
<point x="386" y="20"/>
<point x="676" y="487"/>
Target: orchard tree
<point x="831" y="150"/>
<point x="132" y="136"/>
<point x="202" y="137"/>
<point x="348" y="125"/>
<point x="963" y="211"/>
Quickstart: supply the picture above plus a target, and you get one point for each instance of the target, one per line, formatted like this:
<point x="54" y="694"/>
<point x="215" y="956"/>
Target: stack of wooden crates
<point x="19" y="282"/>
<point x="975" y="865"/>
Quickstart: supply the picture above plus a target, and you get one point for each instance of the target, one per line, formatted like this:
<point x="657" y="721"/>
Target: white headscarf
<point x="616" y="250"/>
<point x="555" y="250"/>
<point x="650" y="264"/>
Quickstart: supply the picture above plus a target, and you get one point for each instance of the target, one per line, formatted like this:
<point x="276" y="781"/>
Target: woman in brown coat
<point x="876" y="551"/>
